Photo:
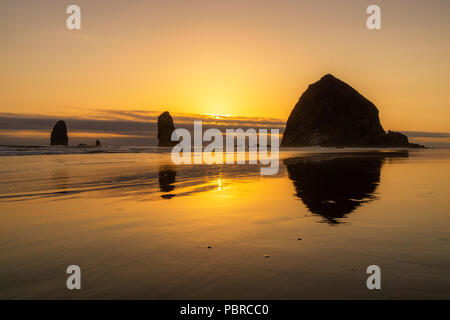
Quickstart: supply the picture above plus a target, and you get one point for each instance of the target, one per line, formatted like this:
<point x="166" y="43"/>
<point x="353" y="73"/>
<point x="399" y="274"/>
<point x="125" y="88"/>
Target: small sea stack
<point x="59" y="134"/>
<point x="165" y="129"/>
<point x="97" y="143"/>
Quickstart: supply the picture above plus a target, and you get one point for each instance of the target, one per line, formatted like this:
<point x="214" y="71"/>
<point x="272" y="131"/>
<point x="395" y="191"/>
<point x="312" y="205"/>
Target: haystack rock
<point x="59" y="134"/>
<point x="330" y="113"/>
<point x="165" y="129"/>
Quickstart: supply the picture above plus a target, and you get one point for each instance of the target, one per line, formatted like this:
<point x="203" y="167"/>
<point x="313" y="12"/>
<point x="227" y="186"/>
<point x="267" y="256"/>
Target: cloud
<point x="117" y="127"/>
<point x="422" y="134"/>
<point x="139" y="127"/>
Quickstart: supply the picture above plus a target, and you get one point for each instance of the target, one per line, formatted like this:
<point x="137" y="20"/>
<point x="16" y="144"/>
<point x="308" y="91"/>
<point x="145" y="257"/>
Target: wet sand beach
<point x="140" y="227"/>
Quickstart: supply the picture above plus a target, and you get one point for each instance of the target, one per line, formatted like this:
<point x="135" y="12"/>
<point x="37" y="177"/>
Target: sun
<point x="218" y="116"/>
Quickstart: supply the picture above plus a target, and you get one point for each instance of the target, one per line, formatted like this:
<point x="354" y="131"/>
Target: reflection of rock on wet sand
<point x="192" y="179"/>
<point x="167" y="178"/>
<point x="334" y="185"/>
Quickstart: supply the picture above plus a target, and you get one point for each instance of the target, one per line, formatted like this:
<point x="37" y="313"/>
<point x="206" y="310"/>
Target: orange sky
<point x="237" y="57"/>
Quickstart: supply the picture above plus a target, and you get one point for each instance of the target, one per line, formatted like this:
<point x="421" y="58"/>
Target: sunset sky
<point x="249" y="58"/>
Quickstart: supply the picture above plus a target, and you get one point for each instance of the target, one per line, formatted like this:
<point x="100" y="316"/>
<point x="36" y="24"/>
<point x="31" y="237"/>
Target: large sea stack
<point x="330" y="113"/>
<point x="165" y="129"/>
<point x="59" y="134"/>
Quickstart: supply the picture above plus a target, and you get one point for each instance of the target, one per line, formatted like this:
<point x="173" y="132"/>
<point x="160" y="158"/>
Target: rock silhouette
<point x="165" y="129"/>
<point x="331" y="113"/>
<point x="334" y="185"/>
<point x="167" y="179"/>
<point x="59" y="134"/>
<point x="97" y="143"/>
